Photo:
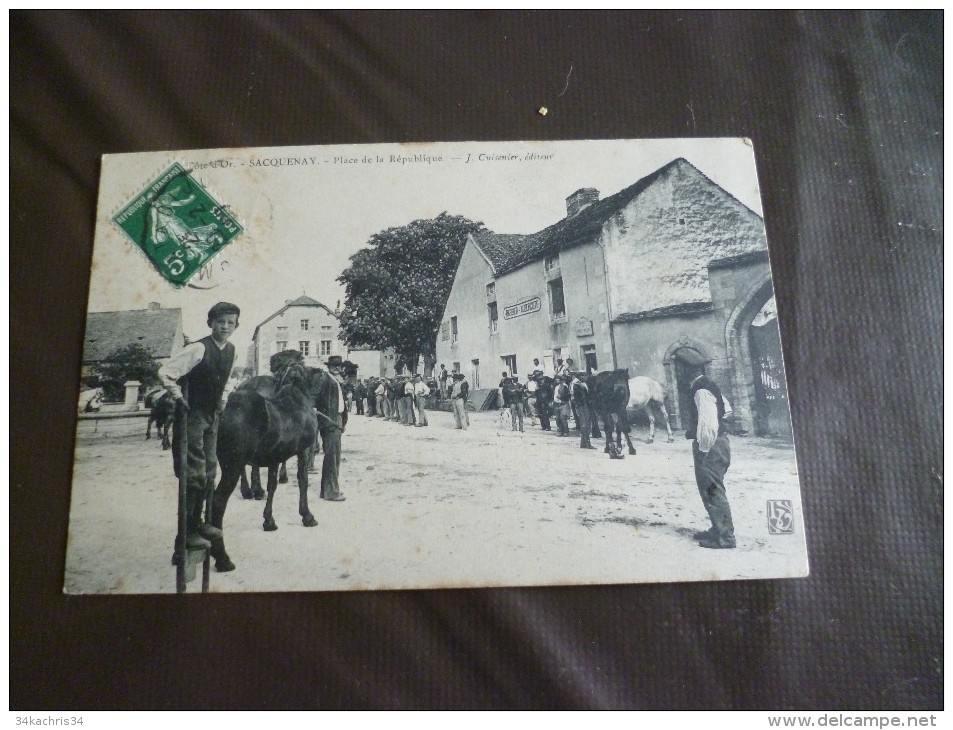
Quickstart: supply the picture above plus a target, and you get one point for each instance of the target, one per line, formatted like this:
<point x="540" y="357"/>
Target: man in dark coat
<point x="335" y="408"/>
<point x="580" y="401"/>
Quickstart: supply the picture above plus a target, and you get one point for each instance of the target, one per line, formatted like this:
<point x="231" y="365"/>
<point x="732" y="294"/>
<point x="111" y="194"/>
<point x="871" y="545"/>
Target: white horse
<point x="648" y="395"/>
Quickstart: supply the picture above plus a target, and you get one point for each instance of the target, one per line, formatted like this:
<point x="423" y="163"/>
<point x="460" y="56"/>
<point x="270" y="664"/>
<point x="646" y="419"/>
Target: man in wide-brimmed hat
<point x="336" y="410"/>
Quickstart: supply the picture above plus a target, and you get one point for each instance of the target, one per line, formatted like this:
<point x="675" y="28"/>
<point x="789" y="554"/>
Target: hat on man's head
<point x="223" y="308"/>
<point x="335" y="361"/>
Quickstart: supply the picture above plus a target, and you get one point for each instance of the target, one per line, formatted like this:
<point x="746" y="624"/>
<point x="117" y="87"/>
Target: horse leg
<point x="307" y="519"/>
<point x="283" y="473"/>
<point x="166" y="443"/>
<point x="627" y="430"/>
<point x="230" y="476"/>
<point x="149" y="428"/>
<point x="246" y="490"/>
<point x="665" y="420"/>
<point x="256" y="490"/>
<point x="269" y="524"/>
<point x="651" y="425"/>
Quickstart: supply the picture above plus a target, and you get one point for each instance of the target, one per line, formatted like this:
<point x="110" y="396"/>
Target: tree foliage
<point x="129" y="362"/>
<point x="397" y="287"/>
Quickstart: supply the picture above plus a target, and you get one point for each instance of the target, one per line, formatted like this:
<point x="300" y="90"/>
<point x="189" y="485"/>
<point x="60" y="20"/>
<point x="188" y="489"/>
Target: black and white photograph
<point x="363" y="367"/>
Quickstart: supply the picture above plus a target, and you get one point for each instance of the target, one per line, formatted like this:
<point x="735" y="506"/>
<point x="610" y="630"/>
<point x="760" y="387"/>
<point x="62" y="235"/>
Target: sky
<point x="306" y="210"/>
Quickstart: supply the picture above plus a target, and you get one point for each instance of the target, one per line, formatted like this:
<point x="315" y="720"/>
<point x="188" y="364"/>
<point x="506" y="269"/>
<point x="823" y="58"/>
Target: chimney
<point x="580" y="200"/>
<point x="154" y="306"/>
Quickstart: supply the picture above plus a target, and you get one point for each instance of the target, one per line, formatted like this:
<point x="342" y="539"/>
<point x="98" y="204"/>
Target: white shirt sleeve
<point x="707" y="420"/>
<point x="179" y="365"/>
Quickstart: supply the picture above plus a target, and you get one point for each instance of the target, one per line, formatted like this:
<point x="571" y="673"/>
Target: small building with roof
<point x="302" y="324"/>
<point x="157" y="329"/>
<point x="663" y="278"/>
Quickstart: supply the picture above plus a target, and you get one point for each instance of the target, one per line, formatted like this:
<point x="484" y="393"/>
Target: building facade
<point x="664" y="278"/>
<point x="302" y="324"/>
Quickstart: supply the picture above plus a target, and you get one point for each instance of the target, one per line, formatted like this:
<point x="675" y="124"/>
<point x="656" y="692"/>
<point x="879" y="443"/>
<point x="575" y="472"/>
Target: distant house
<point x="158" y="329"/>
<point x="303" y="324"/>
<point x="664" y="278"/>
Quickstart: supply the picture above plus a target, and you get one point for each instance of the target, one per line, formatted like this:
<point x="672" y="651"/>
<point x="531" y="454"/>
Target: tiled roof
<point x="106" y="332"/>
<point x="509" y="252"/>
<point x="741" y="258"/>
<point x="669" y="311"/>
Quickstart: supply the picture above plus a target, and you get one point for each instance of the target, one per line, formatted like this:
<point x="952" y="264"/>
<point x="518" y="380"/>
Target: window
<point x="552" y="262"/>
<point x="491" y="290"/>
<point x="304" y="347"/>
<point x="494" y="318"/>
<point x="453" y="330"/>
<point x="509" y="363"/>
<point x="589" y="360"/>
<point x="325" y="328"/>
<point x="325" y="347"/>
<point x="304" y="325"/>
<point x="282" y="345"/>
<point x="282" y="333"/>
<point x="557" y="302"/>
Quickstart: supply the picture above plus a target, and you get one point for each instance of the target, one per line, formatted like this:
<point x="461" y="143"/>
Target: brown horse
<point x="265" y="432"/>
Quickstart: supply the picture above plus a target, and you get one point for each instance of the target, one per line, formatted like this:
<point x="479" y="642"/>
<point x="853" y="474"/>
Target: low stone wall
<point x="112" y="425"/>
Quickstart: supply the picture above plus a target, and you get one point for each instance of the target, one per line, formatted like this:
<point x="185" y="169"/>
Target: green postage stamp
<point x="177" y="224"/>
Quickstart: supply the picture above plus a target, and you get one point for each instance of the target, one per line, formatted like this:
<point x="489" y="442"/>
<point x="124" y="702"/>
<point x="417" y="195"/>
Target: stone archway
<point x="737" y="330"/>
<point x="684" y="358"/>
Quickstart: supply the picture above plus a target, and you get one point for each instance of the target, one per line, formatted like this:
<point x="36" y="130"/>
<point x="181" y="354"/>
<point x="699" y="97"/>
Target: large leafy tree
<point x="130" y="362"/>
<point x="397" y="287"/>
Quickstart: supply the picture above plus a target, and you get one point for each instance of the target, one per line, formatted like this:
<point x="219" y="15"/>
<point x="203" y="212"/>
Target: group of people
<point x="401" y="399"/>
<point x="197" y="375"/>
<point x="560" y="397"/>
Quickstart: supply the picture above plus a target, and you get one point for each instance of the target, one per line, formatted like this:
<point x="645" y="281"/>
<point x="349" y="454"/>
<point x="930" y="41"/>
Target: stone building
<point x="664" y="278"/>
<point x="158" y="329"/>
<point x="303" y="324"/>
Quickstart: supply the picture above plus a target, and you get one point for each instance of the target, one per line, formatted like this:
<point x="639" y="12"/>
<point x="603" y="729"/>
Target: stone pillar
<point x="131" y="402"/>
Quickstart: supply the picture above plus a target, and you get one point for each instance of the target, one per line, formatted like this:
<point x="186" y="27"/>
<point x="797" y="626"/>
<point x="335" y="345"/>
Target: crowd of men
<point x="558" y="398"/>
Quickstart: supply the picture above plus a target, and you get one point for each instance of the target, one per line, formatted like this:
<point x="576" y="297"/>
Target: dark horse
<point x="267" y="386"/>
<point x="261" y="432"/>
<point x="608" y="398"/>
<point x="161" y="413"/>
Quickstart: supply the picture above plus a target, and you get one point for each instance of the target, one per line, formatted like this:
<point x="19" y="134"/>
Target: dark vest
<point x="206" y="381"/>
<point x="704" y="383"/>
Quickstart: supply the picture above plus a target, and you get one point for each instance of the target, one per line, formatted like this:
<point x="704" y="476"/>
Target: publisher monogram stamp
<point x="780" y="517"/>
<point x="177" y="224"/>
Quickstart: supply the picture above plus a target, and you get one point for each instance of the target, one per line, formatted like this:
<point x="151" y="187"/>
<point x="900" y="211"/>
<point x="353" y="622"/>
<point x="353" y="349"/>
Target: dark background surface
<point x="845" y="111"/>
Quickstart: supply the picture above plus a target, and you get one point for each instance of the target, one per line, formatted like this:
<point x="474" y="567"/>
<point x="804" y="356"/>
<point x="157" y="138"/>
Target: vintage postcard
<point x="408" y="366"/>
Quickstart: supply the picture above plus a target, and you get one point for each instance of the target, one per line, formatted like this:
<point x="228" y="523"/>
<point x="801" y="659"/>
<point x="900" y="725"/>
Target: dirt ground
<point x="440" y="507"/>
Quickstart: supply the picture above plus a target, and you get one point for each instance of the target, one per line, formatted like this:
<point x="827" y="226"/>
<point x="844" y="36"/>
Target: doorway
<point x="476" y="374"/>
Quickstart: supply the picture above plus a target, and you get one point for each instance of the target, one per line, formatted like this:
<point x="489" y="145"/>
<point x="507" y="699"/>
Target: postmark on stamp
<point x="177" y="224"/>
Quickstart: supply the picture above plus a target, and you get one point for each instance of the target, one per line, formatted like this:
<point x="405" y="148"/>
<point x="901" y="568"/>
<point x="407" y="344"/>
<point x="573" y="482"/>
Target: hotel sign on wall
<point x="530" y="306"/>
